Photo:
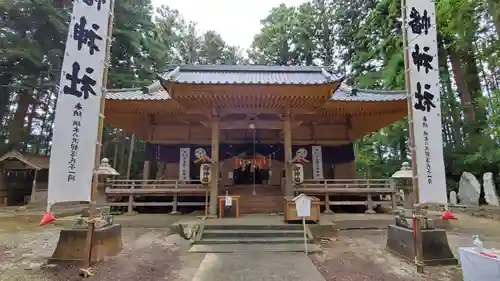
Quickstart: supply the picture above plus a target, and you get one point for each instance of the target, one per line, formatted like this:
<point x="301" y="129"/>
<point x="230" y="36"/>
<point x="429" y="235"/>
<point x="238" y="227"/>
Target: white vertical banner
<point x="78" y="105"/>
<point x="317" y="162"/>
<point x="184" y="163"/>
<point x="425" y="99"/>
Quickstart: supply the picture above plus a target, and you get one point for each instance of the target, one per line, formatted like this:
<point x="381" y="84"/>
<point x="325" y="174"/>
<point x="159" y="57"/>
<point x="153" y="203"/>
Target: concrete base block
<point x="106" y="242"/>
<point x="436" y="250"/>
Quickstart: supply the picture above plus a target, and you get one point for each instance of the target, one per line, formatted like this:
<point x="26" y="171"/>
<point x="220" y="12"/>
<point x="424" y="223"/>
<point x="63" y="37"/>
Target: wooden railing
<point x="151" y="188"/>
<point x="364" y="188"/>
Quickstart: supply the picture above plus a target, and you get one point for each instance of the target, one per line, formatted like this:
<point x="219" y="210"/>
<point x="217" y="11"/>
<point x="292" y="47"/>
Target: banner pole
<point x="417" y="225"/>
<point x="85" y="270"/>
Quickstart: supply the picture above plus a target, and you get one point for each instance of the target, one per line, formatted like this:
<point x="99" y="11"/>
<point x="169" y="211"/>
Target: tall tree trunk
<point x="474" y="84"/>
<point x="16" y="125"/>
<point x="494" y="11"/>
<point x="462" y="87"/>
<point x="449" y="95"/>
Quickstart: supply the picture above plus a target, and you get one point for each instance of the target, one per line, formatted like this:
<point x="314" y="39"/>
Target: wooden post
<point x="95" y="180"/>
<point x="214" y="184"/>
<point x="145" y="171"/>
<point x="369" y="200"/>
<point x="417" y="243"/>
<point x="393" y="195"/>
<point x="327" y="199"/>
<point x="287" y="132"/>
<point x="174" y="202"/>
<point x="115" y="155"/>
<point x="33" y="187"/>
<point x="130" y="155"/>
<point x="130" y="208"/>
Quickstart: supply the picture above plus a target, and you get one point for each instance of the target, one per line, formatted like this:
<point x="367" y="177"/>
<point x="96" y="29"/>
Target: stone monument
<point x="106" y="239"/>
<point x="490" y="193"/>
<point x="453" y="198"/>
<point x="400" y="236"/>
<point x="469" y="189"/>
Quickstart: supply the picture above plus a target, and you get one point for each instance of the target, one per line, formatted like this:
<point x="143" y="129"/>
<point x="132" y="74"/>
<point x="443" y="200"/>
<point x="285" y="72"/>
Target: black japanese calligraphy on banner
<point x="422" y="59"/>
<point x="75" y="142"/>
<point x="96" y="3"/>
<point x="86" y="83"/>
<point x="86" y="36"/>
<point x="427" y="152"/>
<point x="425" y="100"/>
<point x="419" y="22"/>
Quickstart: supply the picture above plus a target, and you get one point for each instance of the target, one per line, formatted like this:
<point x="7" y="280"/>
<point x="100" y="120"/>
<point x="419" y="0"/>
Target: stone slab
<point x="252" y="240"/>
<point x="436" y="250"/>
<point x="235" y="248"/>
<point x="106" y="242"/>
<point x="408" y="223"/>
<point x="257" y="266"/>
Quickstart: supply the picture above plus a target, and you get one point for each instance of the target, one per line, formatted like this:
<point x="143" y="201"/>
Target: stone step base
<point x="234" y="248"/>
<point x="252" y="240"/>
<point x="238" y="233"/>
<point x="250" y="227"/>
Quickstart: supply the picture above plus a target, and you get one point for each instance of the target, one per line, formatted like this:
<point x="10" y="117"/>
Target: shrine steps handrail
<point x="345" y="180"/>
<point x="345" y="190"/>
<point x="344" y="185"/>
<point x="146" y="191"/>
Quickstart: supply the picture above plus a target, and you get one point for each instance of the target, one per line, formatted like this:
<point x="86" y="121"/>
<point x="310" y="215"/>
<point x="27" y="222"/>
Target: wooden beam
<point x="273" y="141"/>
<point x="245" y="124"/>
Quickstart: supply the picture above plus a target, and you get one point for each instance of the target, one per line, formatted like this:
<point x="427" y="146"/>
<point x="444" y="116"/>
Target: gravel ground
<point x="360" y="256"/>
<point x="154" y="254"/>
<point x="149" y="254"/>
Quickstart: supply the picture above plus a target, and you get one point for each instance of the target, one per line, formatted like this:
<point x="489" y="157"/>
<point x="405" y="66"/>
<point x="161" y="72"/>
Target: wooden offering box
<point x="291" y="211"/>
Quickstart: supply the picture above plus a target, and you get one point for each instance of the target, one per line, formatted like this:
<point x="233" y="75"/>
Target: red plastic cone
<point x="47" y="218"/>
<point x="448" y="215"/>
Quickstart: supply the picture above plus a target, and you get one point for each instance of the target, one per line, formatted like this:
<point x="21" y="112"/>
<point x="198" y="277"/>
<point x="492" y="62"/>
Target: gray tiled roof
<point x="345" y="93"/>
<point x="250" y="74"/>
<point x="137" y="94"/>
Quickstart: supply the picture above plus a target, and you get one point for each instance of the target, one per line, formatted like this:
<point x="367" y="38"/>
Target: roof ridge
<point x="371" y="91"/>
<point x="116" y="90"/>
<point x="248" y="68"/>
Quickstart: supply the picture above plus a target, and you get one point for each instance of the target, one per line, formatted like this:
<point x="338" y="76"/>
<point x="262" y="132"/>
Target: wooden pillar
<point x="33" y="188"/>
<point x="145" y="171"/>
<point x="287" y="132"/>
<point x="214" y="184"/>
<point x="130" y="155"/>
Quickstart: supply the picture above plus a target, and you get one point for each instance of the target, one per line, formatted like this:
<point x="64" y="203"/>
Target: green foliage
<point x="367" y="46"/>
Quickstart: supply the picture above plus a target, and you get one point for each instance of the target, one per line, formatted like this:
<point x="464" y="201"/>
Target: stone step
<point x="232" y="233"/>
<point x="260" y="210"/>
<point x="233" y="248"/>
<point x="252" y="240"/>
<point x="253" y="227"/>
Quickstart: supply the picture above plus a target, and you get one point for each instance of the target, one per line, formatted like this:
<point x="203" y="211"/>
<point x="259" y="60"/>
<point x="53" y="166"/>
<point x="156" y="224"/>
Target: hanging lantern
<point x="205" y="173"/>
<point x="265" y="163"/>
<point x="298" y="173"/>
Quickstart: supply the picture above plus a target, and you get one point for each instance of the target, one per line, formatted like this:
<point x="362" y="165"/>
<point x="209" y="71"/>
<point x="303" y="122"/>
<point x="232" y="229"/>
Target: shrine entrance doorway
<point x="251" y="170"/>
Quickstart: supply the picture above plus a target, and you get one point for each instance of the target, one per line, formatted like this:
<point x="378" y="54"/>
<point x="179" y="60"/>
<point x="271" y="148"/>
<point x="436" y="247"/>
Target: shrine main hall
<point x="252" y="123"/>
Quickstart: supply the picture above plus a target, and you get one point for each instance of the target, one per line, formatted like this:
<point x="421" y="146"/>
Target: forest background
<point x="361" y="39"/>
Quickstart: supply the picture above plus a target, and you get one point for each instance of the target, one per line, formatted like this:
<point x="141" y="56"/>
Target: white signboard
<point x="303" y="205"/>
<point x="317" y="164"/>
<point x="229" y="201"/>
<point x="184" y="163"/>
<point x="78" y="105"/>
<point x="425" y="99"/>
